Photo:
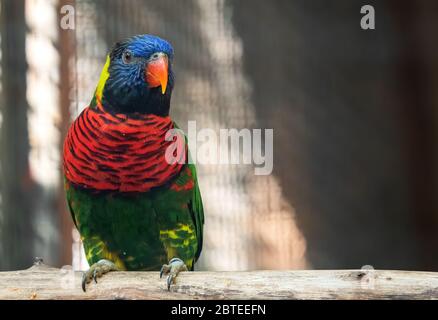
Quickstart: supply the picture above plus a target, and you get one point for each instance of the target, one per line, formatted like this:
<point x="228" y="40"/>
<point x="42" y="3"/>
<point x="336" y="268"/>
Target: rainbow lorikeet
<point x="134" y="209"/>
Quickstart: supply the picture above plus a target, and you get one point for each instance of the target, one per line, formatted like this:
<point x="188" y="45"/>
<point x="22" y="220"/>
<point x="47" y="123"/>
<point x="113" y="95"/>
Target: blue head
<point x="138" y="76"/>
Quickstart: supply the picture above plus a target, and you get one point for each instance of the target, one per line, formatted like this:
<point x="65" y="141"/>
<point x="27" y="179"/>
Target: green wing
<point x="197" y="211"/>
<point x="195" y="205"/>
<point x="181" y="213"/>
<point x="67" y="187"/>
<point x="181" y="217"/>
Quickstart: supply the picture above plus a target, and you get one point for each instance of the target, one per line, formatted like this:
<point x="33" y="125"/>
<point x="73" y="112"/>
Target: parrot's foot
<point x="174" y="267"/>
<point x="97" y="270"/>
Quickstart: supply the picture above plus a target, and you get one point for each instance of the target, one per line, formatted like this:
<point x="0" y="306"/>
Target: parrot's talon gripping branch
<point x="174" y="267"/>
<point x="97" y="270"/>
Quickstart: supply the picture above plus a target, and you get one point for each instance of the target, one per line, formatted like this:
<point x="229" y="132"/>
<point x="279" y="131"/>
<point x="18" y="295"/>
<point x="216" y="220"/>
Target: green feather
<point x="140" y="231"/>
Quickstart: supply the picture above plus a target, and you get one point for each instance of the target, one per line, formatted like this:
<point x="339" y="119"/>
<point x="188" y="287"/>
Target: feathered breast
<point x="103" y="151"/>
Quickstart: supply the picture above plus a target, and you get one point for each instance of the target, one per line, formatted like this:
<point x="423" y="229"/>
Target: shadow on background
<point x="354" y="115"/>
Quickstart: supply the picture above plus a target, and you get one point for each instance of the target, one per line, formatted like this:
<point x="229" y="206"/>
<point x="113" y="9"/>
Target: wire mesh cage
<point x="353" y="112"/>
<point x="212" y="90"/>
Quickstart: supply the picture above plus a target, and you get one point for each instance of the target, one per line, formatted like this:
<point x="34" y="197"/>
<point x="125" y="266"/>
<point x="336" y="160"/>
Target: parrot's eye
<point x="127" y="56"/>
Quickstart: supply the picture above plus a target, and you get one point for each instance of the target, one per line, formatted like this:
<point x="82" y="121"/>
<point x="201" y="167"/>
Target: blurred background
<point x="354" y="113"/>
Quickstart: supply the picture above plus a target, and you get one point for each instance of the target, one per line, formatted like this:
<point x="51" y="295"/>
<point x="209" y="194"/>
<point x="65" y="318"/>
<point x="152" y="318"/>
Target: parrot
<point x="133" y="208"/>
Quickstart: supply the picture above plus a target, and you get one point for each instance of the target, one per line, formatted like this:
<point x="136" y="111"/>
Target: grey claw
<point x="94" y="275"/>
<point x="84" y="281"/>
<point x="174" y="267"/>
<point x="169" y="281"/>
<point x="96" y="270"/>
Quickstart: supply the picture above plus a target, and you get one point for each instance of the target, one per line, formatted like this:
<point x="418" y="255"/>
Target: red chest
<point x="115" y="152"/>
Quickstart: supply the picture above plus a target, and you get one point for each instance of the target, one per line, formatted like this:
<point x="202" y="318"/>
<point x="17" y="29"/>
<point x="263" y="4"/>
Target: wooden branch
<point x="43" y="282"/>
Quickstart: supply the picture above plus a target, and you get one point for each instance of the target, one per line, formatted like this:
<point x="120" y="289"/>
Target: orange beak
<point x="157" y="72"/>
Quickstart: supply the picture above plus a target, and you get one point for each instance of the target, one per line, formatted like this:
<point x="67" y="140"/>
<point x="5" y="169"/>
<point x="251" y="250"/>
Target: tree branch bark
<point x="43" y="282"/>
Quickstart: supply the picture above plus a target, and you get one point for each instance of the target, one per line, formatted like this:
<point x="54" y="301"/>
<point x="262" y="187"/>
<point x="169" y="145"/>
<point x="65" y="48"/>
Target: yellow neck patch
<point x="102" y="80"/>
